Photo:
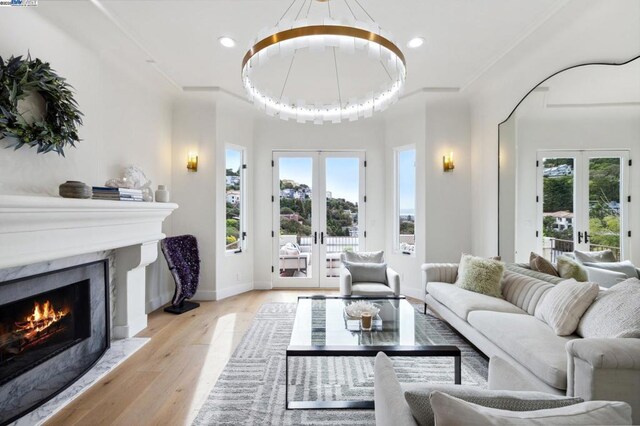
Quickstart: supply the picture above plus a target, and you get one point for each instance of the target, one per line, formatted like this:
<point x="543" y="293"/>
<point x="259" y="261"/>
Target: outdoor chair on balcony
<point x="366" y="274"/>
<point x="294" y="258"/>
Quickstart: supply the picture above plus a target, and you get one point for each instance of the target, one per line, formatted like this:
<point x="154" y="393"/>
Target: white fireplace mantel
<point x="39" y="229"/>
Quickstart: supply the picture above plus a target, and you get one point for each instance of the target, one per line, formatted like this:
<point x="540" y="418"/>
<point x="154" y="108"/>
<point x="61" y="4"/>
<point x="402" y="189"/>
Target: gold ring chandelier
<point x="349" y="36"/>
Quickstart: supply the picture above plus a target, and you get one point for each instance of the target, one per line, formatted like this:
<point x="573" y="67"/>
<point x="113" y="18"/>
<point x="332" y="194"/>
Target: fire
<point x="43" y="317"/>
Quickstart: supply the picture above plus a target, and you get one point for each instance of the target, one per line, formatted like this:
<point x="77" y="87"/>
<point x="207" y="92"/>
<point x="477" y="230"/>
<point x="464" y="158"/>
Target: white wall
<point x="194" y="130"/>
<point x="581" y="32"/>
<point x="406" y="126"/>
<point x="234" y="125"/>
<point x="125" y="123"/>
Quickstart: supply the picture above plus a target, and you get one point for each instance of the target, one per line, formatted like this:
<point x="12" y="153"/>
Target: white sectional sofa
<point x="525" y="353"/>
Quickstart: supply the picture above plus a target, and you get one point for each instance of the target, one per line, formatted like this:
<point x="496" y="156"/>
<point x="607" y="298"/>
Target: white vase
<point x="162" y="194"/>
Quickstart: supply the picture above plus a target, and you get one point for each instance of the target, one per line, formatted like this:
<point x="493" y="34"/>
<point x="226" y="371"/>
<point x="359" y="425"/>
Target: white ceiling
<point x="464" y="38"/>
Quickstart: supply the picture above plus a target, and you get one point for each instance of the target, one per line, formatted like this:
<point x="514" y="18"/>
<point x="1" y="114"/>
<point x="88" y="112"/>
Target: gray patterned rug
<point x="250" y="390"/>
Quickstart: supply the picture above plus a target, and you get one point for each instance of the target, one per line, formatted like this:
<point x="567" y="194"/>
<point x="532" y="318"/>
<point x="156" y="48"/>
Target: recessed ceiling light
<point x="227" y="41"/>
<point x="415" y="42"/>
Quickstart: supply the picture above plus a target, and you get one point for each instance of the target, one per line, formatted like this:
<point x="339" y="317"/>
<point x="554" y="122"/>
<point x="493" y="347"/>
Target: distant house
<point x="291" y="216"/>
<point x="287" y="193"/>
<point x="233" y="197"/>
<point x="233" y="180"/>
<point x="563" y="220"/>
<point x="561" y="170"/>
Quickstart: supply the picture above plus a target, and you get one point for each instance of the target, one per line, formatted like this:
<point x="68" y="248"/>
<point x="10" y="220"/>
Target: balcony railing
<point x="335" y="244"/>
<point x="554" y="247"/>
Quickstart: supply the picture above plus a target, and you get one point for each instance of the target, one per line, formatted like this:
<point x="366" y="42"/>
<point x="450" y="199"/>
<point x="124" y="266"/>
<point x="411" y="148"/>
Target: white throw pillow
<point x="614" y="313"/>
<point x="450" y="411"/>
<point x="563" y="305"/>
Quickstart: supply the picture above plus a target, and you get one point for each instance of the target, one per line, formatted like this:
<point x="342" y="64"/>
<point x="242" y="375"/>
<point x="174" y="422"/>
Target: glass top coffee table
<point x="322" y="329"/>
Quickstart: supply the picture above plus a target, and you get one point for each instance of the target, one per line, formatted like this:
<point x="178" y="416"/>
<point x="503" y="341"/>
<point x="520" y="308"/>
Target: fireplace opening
<point x="36" y="328"/>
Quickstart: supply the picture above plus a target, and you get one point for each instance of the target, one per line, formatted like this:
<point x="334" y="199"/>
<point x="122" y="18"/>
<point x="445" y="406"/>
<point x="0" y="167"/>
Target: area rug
<point x="251" y="388"/>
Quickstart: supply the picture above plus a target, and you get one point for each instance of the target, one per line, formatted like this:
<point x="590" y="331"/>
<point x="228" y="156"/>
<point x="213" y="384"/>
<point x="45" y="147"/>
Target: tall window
<point x="405" y="235"/>
<point x="235" y="200"/>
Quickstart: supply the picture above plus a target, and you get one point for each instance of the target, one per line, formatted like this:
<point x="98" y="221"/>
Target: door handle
<point x="322" y="238"/>
<point x="579" y="237"/>
<point x="315" y="238"/>
<point x="586" y="237"/>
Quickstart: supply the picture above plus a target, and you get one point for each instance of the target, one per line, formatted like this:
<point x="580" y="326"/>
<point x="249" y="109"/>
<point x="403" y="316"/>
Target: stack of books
<point x="118" y="194"/>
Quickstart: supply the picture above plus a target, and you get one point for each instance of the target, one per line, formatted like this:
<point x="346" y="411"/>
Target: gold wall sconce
<point x="192" y="162"/>
<point x="447" y="163"/>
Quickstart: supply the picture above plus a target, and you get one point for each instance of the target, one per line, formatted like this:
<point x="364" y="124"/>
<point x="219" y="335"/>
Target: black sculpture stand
<point x="184" y="306"/>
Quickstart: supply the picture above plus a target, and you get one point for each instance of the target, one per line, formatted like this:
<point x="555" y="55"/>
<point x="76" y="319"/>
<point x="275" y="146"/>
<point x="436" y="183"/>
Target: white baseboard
<point x="262" y="285"/>
<point x="416" y="293"/>
<point x="204" y="295"/>
<point x="234" y="290"/>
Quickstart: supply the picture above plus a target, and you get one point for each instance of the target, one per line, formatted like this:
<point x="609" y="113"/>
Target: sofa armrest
<point x="603" y="277"/>
<point x="345" y="282"/>
<point x="391" y="408"/>
<point x="438" y="272"/>
<point x="393" y="281"/>
<point x="607" y="352"/>
<point x="605" y="369"/>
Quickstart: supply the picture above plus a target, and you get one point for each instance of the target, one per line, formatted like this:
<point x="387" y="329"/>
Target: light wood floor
<point x="167" y="381"/>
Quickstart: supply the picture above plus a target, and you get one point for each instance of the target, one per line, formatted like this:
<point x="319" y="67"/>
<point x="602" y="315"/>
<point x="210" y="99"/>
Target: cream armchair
<point x="389" y="286"/>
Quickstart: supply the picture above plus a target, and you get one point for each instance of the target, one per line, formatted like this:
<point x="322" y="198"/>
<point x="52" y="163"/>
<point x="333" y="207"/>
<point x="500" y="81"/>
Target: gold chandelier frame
<point x="323" y="30"/>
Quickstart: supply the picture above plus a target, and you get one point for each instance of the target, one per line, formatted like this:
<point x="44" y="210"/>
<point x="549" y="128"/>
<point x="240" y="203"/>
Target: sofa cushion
<point x="367" y="272"/>
<point x="462" y="301"/>
<point x="540" y="264"/>
<point x="371" y="289"/>
<point x="614" y="313"/>
<point x="449" y="410"/>
<point x="594" y="256"/>
<point x="524" y="269"/>
<point x="570" y="268"/>
<point x="480" y="275"/>
<point x="524" y="291"/>
<point x="420" y="405"/>
<point x="625" y="267"/>
<point x="363" y="256"/>
<point x="564" y="305"/>
<point x="529" y="341"/>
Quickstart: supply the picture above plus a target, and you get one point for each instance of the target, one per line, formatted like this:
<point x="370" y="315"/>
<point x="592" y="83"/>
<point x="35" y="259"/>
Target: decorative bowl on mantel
<point x="355" y="310"/>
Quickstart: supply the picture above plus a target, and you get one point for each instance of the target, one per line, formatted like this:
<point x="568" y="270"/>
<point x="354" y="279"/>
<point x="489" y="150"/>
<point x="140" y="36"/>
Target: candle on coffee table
<point x="365" y="320"/>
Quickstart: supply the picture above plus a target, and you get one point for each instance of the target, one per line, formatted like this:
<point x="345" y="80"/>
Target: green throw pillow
<point x="480" y="275"/>
<point x="569" y="268"/>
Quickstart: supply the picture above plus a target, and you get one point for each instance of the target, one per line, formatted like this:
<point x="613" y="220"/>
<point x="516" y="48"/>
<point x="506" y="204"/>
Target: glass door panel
<point x="317" y="214"/>
<point x="343" y="210"/>
<point x="558" y="203"/>
<point x="583" y="206"/>
<point x="295" y="220"/>
<point x="605" y="196"/>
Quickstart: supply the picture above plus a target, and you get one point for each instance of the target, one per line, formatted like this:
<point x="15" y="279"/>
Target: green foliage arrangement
<point x="58" y="127"/>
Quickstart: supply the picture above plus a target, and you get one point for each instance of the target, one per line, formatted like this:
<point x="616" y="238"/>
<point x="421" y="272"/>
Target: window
<point x="405" y="167"/>
<point x="235" y="200"/>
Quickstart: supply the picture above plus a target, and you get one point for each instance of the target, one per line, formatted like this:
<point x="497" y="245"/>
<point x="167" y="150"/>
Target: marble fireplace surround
<point x="41" y="229"/>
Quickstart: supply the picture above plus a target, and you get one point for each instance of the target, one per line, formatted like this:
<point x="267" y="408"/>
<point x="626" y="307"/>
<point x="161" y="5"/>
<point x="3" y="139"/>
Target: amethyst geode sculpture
<point x="184" y="263"/>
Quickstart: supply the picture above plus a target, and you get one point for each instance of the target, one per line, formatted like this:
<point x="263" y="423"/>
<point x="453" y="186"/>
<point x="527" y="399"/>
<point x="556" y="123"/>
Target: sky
<point x="343" y="175"/>
<point x="234" y="157"/>
<point x="407" y="181"/>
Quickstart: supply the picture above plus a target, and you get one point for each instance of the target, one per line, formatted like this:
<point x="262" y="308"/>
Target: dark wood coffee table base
<point x="359" y="351"/>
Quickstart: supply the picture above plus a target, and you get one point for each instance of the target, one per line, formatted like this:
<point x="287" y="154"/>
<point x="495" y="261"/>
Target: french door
<point x="318" y="212"/>
<point x="583" y="202"/>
